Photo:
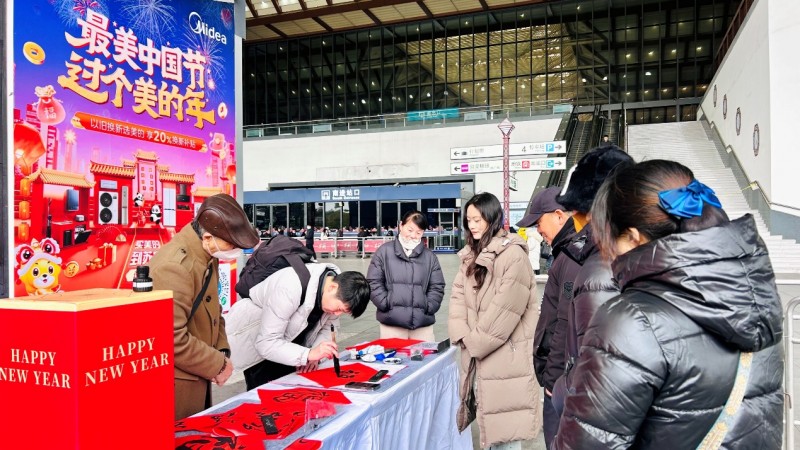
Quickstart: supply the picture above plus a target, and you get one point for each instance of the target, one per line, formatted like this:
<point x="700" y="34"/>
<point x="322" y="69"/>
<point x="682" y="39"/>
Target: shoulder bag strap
<point x="302" y="272"/>
<point x="716" y="434"/>
<point x="199" y="298"/>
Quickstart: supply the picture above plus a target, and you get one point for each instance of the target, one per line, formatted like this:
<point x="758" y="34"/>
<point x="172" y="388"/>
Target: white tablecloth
<point x="418" y="412"/>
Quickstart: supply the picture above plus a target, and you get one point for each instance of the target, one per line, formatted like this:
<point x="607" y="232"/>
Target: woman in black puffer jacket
<point x="407" y="283"/>
<point x="659" y="361"/>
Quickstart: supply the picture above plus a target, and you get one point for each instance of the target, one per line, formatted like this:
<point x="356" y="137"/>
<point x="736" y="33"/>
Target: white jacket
<point x="534" y="247"/>
<point x="264" y="326"/>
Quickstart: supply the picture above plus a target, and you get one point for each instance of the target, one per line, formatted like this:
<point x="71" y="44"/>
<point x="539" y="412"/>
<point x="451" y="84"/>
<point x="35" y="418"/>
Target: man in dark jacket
<point x="310" y="239"/>
<point x="556" y="227"/>
<point x="594" y="284"/>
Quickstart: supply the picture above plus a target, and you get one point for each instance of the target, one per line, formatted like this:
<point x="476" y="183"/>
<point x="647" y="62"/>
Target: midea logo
<point x="200" y="27"/>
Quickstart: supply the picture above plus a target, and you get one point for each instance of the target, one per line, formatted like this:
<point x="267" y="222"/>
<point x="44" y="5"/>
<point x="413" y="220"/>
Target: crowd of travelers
<point x="658" y="328"/>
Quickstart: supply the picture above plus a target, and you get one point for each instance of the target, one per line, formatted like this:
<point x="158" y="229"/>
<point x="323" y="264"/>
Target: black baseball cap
<point x="542" y="202"/>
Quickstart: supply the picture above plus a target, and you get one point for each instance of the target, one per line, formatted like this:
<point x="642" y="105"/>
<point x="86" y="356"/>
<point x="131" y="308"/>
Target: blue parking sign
<point x="549" y="148"/>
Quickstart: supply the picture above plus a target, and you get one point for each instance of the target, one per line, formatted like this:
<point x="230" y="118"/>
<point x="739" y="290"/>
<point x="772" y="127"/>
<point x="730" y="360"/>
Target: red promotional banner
<point x="347" y="245"/>
<point x="122" y="127"/>
<point x="371" y="245"/>
<point x="325" y="246"/>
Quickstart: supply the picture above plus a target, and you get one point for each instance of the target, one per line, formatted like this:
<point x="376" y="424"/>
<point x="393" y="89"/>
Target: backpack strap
<point x="302" y="272"/>
<point x="199" y="297"/>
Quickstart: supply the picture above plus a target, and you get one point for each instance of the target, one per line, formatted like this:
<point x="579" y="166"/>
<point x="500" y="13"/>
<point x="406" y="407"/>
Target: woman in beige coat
<point x="493" y="315"/>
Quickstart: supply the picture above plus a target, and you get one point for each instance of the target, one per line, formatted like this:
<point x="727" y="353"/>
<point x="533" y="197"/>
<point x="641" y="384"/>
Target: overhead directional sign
<point x="521" y="149"/>
<point x="496" y="165"/>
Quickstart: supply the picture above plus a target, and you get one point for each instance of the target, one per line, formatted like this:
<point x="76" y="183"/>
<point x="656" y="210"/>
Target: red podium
<point x="87" y="370"/>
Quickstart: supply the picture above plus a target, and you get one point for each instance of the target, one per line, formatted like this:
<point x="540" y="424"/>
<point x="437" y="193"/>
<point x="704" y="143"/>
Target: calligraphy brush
<point x="336" y="367"/>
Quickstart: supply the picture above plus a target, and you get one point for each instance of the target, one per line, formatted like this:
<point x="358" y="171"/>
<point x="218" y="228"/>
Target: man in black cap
<point x="556" y="227"/>
<point x="188" y="266"/>
<point x="593" y="283"/>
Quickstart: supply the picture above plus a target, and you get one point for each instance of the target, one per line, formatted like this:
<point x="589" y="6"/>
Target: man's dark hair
<point x="353" y="291"/>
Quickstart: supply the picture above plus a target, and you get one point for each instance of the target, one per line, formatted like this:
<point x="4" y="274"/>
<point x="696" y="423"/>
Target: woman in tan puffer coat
<point x="493" y="316"/>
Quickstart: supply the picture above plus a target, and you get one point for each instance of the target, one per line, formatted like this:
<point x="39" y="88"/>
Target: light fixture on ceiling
<point x="650" y="53"/>
<point x="523" y="86"/>
<point x="583" y="79"/>
<point x="465" y="91"/>
<point x="429" y="94"/>
<point x="363" y="102"/>
<point x="699" y="48"/>
<point x="544" y="84"/>
<point x="483" y="88"/>
<point x="628" y="55"/>
<point x="674" y="51"/>
<point x="264" y="4"/>
<point x="648" y="73"/>
<point x="605" y="78"/>
<point x="646" y="91"/>
<point x="411" y="96"/>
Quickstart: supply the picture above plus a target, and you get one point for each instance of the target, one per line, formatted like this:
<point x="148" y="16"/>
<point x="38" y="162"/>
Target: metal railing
<point x="394" y="120"/>
<point x="789" y="340"/>
<point x="732" y="31"/>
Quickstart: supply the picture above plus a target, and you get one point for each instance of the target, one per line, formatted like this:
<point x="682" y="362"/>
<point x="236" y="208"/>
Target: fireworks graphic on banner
<point x="69" y="11"/>
<point x="212" y="50"/>
<point x="82" y="5"/>
<point x="150" y="18"/>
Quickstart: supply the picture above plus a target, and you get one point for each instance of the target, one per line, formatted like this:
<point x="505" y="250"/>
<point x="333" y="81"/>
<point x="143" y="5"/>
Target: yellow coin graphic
<point x="72" y="269"/>
<point x="33" y="52"/>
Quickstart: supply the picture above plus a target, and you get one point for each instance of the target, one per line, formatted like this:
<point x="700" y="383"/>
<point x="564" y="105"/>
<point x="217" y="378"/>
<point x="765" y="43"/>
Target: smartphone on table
<point x="362" y="386"/>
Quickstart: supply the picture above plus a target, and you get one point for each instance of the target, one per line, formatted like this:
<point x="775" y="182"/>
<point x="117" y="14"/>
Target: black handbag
<point x="469" y="404"/>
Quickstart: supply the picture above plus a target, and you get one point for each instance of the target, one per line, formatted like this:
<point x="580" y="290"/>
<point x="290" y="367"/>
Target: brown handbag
<point x="469" y="404"/>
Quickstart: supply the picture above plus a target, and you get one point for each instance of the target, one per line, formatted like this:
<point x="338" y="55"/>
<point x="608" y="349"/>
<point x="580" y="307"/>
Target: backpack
<point x="280" y="252"/>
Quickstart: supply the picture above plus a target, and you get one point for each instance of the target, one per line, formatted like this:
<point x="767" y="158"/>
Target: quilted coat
<point x="658" y="362"/>
<point x="495" y="325"/>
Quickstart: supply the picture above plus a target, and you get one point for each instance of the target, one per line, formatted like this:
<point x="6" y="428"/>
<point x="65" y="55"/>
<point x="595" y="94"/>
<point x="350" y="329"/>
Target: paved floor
<point x="365" y="328"/>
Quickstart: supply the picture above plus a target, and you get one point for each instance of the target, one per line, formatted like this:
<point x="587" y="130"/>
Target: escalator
<point x="580" y="136"/>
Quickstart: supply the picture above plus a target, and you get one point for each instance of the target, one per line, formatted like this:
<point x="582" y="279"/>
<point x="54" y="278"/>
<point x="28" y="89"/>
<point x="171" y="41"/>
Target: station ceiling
<point x="284" y="19"/>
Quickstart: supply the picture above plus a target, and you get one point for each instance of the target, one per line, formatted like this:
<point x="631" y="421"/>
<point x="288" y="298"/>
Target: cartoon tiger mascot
<point x="38" y="266"/>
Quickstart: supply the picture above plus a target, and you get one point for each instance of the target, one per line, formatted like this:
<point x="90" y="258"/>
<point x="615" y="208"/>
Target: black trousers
<point x="264" y="372"/>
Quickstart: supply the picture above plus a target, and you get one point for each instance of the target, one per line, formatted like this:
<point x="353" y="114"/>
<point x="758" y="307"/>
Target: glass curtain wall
<point x="584" y="52"/>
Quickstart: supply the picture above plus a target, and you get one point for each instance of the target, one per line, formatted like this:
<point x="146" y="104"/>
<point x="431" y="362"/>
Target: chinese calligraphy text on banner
<point x="123" y="124"/>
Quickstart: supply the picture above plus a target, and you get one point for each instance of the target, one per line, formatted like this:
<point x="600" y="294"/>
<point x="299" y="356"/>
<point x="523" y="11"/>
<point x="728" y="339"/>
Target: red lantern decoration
<point x="25" y="187"/>
<point x="24" y="210"/>
<point x="23" y="232"/>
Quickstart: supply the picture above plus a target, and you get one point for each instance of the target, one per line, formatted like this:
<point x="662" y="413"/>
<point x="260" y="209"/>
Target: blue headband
<point x="687" y="202"/>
